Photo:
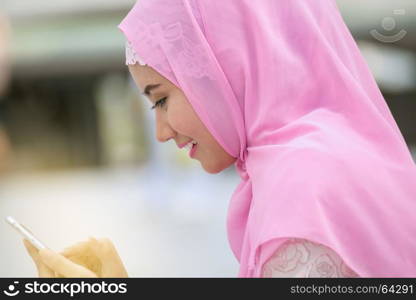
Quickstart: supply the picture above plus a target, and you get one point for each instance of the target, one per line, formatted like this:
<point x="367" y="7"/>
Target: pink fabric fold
<point x="283" y="87"/>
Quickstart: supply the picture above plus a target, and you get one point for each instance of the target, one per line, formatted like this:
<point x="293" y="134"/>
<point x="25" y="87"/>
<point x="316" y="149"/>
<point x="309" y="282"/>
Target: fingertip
<point x="29" y="247"/>
<point x="26" y="244"/>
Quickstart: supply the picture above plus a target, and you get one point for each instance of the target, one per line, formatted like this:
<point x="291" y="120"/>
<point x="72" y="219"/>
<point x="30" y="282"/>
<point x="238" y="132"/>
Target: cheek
<point x="183" y="120"/>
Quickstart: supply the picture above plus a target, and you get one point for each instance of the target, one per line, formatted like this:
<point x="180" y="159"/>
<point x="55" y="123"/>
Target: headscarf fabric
<point x="283" y="87"/>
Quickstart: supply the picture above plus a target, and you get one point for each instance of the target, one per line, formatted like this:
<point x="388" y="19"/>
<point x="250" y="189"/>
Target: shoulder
<point x="303" y="258"/>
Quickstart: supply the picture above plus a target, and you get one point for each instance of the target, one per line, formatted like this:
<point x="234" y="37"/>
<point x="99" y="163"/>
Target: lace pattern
<point x="302" y="258"/>
<point x="131" y="56"/>
<point x="162" y="39"/>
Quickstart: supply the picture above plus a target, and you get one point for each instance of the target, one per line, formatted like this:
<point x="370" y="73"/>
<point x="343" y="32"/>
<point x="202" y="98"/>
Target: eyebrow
<point x="149" y="88"/>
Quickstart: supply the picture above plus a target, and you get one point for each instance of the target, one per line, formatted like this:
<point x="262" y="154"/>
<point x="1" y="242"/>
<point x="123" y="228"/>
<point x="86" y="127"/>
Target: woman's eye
<point x="160" y="103"/>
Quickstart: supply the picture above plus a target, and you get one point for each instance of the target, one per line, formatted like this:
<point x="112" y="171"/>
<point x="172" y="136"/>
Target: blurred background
<point x="78" y="156"/>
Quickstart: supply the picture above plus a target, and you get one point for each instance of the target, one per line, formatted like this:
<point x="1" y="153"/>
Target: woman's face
<point x="176" y="119"/>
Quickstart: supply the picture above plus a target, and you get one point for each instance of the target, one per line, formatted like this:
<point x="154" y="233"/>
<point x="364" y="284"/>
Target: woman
<point x="280" y="89"/>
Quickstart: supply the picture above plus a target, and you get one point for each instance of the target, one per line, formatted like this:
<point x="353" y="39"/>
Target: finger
<point x="33" y="252"/>
<point x="57" y="275"/>
<point x="104" y="249"/>
<point x="43" y="270"/>
<point x="112" y="265"/>
<point x="64" y="266"/>
<point x="82" y="255"/>
<point x="80" y="247"/>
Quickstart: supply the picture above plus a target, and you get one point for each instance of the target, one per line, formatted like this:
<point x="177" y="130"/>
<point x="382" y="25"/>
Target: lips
<point x="186" y="144"/>
<point x="190" y="146"/>
<point x="192" y="151"/>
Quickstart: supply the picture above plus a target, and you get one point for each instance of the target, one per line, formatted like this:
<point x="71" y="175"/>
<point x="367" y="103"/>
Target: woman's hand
<point x="92" y="258"/>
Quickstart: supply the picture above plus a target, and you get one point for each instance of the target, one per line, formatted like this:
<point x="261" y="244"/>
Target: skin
<point x="177" y="120"/>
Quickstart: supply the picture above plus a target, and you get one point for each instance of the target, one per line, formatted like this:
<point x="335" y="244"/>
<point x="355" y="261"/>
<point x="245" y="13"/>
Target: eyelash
<point x="160" y="103"/>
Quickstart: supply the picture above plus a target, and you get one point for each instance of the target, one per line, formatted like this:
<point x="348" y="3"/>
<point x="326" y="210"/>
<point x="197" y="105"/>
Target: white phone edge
<point x="26" y="233"/>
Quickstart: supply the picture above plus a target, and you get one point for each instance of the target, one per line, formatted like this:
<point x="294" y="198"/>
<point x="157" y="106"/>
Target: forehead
<point x="144" y="75"/>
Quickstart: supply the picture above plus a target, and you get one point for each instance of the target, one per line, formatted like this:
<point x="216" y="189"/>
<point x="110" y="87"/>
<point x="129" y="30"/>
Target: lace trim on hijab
<point x="131" y="56"/>
<point x="186" y="52"/>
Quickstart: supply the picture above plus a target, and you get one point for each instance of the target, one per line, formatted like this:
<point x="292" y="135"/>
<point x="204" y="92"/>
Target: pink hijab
<point x="283" y="87"/>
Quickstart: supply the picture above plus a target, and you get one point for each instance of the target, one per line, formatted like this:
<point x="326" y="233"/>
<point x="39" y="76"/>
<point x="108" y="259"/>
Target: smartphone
<point x="26" y="233"/>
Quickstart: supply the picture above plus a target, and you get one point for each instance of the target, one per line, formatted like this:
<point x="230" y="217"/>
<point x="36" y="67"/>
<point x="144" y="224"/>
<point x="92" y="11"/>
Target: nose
<point x="164" y="132"/>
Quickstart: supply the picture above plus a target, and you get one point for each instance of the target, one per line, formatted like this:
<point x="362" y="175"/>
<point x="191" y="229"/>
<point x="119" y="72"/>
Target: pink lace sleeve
<point x="302" y="258"/>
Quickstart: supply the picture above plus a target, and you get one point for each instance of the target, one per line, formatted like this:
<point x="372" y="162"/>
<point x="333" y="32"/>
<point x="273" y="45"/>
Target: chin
<point x="212" y="170"/>
<point x="215" y="168"/>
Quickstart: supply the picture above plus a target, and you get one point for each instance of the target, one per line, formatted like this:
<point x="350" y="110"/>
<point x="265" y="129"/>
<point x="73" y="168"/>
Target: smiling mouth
<point x="193" y="150"/>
